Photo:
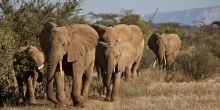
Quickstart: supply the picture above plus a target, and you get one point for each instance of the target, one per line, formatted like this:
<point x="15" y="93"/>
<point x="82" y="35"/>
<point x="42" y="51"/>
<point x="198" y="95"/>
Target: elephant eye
<point x="63" y="45"/>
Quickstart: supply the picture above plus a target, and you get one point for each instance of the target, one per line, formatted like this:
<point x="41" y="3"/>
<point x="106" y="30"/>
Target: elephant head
<point x="117" y="57"/>
<point x="37" y="57"/>
<point x="165" y="46"/>
<point x="70" y="41"/>
<point x="107" y="34"/>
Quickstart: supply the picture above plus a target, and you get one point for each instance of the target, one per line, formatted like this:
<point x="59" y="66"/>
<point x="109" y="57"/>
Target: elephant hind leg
<point x="134" y="70"/>
<point x="20" y="88"/>
<point x="86" y="81"/>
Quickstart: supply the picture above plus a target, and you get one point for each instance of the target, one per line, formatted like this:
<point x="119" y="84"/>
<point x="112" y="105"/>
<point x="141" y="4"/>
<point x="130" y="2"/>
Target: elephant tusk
<point x="155" y="63"/>
<point x="165" y="61"/>
<point x="114" y="70"/>
<point x="40" y="67"/>
<point x="61" y="71"/>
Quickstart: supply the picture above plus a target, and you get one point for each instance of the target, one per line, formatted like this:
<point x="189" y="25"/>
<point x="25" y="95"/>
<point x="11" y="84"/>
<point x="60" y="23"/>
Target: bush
<point x="7" y="77"/>
<point x="148" y="58"/>
<point x="199" y="65"/>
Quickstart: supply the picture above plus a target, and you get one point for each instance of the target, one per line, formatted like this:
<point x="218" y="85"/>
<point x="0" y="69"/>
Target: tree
<point x="28" y="17"/>
<point x="130" y="18"/>
<point x="104" y="18"/>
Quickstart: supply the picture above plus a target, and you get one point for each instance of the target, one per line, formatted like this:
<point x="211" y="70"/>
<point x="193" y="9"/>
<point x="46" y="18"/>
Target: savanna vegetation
<point x="193" y="84"/>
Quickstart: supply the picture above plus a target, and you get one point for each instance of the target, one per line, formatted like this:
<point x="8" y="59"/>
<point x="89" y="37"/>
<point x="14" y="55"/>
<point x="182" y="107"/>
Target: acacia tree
<point x="104" y="18"/>
<point x="129" y="17"/>
<point x="28" y="17"/>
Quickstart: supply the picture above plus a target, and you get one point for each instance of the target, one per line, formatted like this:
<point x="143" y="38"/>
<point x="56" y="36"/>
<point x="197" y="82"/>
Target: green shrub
<point x="7" y="77"/>
<point x="148" y="58"/>
<point x="199" y="65"/>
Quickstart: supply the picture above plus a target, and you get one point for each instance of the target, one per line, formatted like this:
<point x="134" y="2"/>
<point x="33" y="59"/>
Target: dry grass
<point x="151" y="92"/>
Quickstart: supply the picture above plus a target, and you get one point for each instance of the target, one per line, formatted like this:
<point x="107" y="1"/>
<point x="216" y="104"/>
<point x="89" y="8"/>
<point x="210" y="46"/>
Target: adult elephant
<point x="72" y="49"/>
<point x="166" y="47"/>
<point x="120" y="50"/>
<point x="28" y="65"/>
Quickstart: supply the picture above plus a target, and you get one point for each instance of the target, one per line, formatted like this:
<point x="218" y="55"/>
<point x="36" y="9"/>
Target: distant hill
<point x="188" y="16"/>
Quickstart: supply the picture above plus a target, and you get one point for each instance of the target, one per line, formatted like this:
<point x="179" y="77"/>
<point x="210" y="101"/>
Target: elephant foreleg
<point x="109" y="92"/>
<point x="116" y="86"/>
<point x="59" y="80"/>
<point x="128" y="73"/>
<point x="77" y="83"/>
<point x="170" y="61"/>
<point x="20" y="88"/>
<point x="50" y="92"/>
<point x="31" y="89"/>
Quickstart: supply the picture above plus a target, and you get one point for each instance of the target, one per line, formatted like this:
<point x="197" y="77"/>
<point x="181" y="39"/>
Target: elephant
<point x="29" y="73"/>
<point x="119" y="50"/>
<point x="69" y="49"/>
<point x="166" y="48"/>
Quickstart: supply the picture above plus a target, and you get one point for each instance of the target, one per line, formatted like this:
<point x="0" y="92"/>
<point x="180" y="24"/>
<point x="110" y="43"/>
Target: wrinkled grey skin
<point x="70" y="50"/>
<point x="120" y="50"/>
<point x="31" y="77"/>
<point x="166" y="48"/>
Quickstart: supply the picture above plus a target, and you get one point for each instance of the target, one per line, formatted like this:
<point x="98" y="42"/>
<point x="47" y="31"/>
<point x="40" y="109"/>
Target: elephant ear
<point x="127" y="56"/>
<point x="100" y="29"/>
<point x="44" y="36"/>
<point x="153" y="42"/>
<point x="83" y="38"/>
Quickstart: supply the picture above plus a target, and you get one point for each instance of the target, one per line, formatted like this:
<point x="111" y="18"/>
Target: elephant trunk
<point x="110" y="71"/>
<point x="162" y="58"/>
<point x="52" y="64"/>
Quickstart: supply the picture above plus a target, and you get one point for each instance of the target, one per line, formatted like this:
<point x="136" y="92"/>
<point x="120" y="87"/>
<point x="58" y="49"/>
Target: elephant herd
<point x="76" y="49"/>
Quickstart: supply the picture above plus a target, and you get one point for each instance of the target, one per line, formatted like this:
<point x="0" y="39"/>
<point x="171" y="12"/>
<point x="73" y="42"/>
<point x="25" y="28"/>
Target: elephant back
<point x="130" y="33"/>
<point x="173" y="40"/>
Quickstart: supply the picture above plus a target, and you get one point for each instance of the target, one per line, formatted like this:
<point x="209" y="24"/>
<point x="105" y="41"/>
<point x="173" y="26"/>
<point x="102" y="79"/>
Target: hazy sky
<point x="144" y="7"/>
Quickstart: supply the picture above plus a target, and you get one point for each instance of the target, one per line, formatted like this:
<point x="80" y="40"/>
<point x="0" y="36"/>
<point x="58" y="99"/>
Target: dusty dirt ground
<point x="151" y="93"/>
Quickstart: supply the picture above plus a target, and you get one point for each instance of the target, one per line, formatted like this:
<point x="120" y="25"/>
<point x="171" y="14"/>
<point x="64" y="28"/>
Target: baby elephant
<point x="28" y="65"/>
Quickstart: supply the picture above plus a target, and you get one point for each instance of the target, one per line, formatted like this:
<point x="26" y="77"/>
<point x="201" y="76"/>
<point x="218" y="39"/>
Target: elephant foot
<point x="85" y="96"/>
<point x="79" y="101"/>
<point x="52" y="99"/>
<point x="32" y="101"/>
<point x="127" y="79"/>
<point x="134" y="76"/>
<point x="60" y="106"/>
<point x="108" y="99"/>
